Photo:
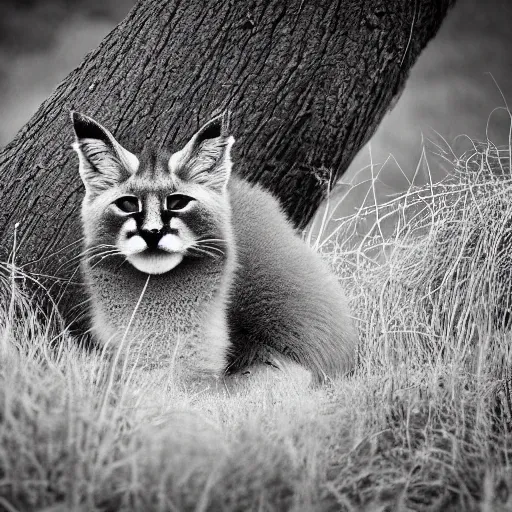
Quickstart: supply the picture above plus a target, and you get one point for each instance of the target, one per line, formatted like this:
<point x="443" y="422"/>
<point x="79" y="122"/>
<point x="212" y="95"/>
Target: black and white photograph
<point x="255" y="255"/>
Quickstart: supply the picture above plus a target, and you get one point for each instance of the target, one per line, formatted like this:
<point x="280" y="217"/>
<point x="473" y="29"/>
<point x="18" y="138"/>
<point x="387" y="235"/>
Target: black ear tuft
<point x="226" y="121"/>
<point x="217" y="127"/>
<point x="86" y="128"/>
<point x="205" y="159"/>
<point x="211" y="131"/>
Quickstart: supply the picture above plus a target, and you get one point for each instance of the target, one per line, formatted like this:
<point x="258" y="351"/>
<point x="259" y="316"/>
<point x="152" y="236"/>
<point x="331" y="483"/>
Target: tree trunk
<point x="307" y="81"/>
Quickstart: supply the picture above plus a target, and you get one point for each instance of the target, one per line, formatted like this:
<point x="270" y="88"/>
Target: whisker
<point x="211" y="247"/>
<point x="94" y="248"/>
<point x="100" y="253"/>
<point x="216" y="244"/>
<point x="83" y="253"/>
<point x="94" y="251"/>
<point x="53" y="253"/>
<point x="212" y="240"/>
<point x="204" y="251"/>
<point x="104" y="256"/>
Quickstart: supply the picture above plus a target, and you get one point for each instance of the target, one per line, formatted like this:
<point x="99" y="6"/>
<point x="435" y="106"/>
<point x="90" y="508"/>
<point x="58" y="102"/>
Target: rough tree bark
<point x="307" y="81"/>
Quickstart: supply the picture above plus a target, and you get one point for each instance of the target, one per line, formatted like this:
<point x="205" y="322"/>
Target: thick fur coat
<point x="186" y="263"/>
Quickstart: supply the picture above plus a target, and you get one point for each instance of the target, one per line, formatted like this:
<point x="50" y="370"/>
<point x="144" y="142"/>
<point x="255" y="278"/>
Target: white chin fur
<point x="155" y="264"/>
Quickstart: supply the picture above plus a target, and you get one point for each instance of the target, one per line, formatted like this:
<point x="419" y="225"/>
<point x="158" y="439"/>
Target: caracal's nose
<point x="151" y="237"/>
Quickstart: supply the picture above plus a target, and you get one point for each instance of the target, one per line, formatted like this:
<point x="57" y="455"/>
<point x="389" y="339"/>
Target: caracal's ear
<point x="104" y="163"/>
<point x="206" y="159"/>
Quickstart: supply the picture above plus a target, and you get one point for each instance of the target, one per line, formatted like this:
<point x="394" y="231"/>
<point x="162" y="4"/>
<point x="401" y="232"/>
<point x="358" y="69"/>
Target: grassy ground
<point x="422" y="424"/>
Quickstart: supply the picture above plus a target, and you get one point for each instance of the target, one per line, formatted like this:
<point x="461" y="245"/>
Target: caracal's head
<point x="157" y="208"/>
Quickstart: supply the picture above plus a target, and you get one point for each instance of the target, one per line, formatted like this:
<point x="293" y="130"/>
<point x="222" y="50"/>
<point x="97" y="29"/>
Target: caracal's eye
<point x="178" y="202"/>
<point x="128" y="204"/>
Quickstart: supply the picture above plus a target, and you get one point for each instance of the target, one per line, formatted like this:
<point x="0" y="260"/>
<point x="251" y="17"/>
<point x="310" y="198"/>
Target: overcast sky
<point x="451" y="89"/>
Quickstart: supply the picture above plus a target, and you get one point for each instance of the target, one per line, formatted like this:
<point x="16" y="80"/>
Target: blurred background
<point x="452" y="90"/>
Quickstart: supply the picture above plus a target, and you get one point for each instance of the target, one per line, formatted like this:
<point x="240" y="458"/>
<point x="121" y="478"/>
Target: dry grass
<point x="416" y="427"/>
